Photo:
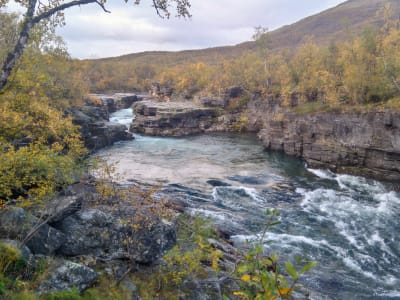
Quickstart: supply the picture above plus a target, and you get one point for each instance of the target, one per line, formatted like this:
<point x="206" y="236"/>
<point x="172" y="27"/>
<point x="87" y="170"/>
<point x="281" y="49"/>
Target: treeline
<point x="362" y="70"/>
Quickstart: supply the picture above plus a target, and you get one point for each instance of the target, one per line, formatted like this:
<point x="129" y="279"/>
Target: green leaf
<point x="308" y="267"/>
<point x="243" y="269"/>
<point x="291" y="270"/>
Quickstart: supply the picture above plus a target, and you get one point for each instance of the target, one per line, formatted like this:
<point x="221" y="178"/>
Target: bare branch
<point x="103" y="7"/>
<point x="51" y="12"/>
<point x="157" y="9"/>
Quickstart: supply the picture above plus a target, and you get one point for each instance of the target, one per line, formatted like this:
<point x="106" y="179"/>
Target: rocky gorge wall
<point x="365" y="144"/>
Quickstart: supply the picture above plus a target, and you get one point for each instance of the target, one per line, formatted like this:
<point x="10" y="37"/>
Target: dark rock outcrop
<point x="97" y="131"/>
<point x="16" y="223"/>
<point x="161" y="91"/>
<point x="117" y="101"/>
<point x="101" y="234"/>
<point x="356" y="143"/>
<point x="88" y="232"/>
<point x="68" y="275"/>
<point x="172" y="118"/>
<point x="214" y="102"/>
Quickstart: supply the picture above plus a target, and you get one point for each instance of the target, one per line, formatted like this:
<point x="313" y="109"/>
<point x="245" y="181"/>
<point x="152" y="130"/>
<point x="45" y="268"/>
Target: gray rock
<point x="16" y="223"/>
<point x="172" y="118"/>
<point x="68" y="275"/>
<point x="26" y="253"/>
<point x="149" y="243"/>
<point x="87" y="232"/>
<point x="132" y="288"/>
<point x="97" y="131"/>
<point x="114" y="102"/>
<point x="214" y="102"/>
<point x="366" y="144"/>
<point x="94" y="232"/>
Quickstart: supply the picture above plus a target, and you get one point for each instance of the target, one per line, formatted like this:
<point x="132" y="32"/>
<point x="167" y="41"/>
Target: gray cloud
<point x="92" y="33"/>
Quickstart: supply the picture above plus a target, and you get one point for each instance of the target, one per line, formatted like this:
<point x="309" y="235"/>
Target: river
<point x="349" y="224"/>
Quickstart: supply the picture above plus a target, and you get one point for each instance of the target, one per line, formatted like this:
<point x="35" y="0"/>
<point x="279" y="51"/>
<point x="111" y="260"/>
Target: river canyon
<point x="348" y="224"/>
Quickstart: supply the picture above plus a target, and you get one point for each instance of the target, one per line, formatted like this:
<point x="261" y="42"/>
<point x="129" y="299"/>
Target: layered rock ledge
<point x="117" y="101"/>
<point x="172" y="118"/>
<point x="365" y="144"/>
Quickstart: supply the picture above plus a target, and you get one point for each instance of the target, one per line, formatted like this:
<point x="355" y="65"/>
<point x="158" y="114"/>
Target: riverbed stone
<point x="67" y="275"/>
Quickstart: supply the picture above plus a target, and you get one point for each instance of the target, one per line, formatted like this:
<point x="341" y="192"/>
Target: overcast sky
<point x="92" y="33"/>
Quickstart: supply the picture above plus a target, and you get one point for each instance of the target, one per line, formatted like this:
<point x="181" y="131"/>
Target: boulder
<point x="59" y="207"/>
<point x="88" y="232"/>
<point x="98" y="233"/>
<point x="67" y="275"/>
<point x="149" y="243"/>
<point x="16" y="223"/>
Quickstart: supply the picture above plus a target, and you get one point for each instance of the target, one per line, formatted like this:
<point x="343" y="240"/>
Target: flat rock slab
<point x="172" y="118"/>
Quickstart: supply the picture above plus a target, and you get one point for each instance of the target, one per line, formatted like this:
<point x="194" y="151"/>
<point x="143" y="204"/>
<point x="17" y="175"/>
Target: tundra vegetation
<point x="356" y="73"/>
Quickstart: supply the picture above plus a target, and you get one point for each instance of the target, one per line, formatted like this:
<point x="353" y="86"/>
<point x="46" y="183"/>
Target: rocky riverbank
<point x="366" y="144"/>
<point x="94" y="120"/>
<point x="82" y="231"/>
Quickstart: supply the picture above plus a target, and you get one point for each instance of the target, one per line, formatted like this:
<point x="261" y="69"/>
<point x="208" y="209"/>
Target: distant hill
<point x="342" y="22"/>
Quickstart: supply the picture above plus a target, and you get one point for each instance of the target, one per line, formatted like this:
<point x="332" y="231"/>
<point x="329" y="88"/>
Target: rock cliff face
<point x="357" y="143"/>
<point x="97" y="131"/>
<point x="172" y="118"/>
<point x="117" y="101"/>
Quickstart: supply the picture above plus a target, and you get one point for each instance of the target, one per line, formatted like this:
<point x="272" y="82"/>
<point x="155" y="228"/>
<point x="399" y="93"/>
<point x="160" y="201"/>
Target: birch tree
<point x="51" y="11"/>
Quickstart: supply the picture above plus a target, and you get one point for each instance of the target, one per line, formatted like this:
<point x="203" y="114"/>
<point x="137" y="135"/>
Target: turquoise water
<point x="348" y="224"/>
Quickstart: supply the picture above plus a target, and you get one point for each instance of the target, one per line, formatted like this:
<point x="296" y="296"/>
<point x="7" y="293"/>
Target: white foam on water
<point x="208" y="213"/>
<point x="346" y="233"/>
<point x="243" y="238"/>
<point x="352" y="264"/>
<point x="357" y="183"/>
<point x="250" y="192"/>
<point x="387" y="202"/>
<point x="123" y="116"/>
<point x="391" y="294"/>
<point x="324" y="174"/>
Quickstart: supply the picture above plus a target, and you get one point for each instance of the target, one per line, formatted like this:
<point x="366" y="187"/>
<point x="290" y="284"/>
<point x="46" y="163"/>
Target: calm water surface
<point x="349" y="224"/>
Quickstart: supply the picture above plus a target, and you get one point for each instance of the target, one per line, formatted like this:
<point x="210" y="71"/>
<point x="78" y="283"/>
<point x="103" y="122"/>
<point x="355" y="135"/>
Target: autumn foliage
<point x="355" y="72"/>
<point x="40" y="147"/>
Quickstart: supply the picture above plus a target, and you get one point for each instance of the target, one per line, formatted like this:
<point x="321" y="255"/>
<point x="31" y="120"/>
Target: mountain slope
<point x="342" y="22"/>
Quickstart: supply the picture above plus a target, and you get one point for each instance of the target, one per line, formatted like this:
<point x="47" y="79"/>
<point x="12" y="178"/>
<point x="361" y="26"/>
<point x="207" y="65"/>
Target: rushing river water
<point x="349" y="224"/>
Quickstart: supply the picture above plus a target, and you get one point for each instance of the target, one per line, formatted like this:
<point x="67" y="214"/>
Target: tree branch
<point x="103" y="7"/>
<point x="157" y="9"/>
<point x="50" y="12"/>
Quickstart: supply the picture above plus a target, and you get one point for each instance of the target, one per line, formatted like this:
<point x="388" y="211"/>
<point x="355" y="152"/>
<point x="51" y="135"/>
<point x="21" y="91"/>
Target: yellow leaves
<point x="246" y="278"/>
<point x="240" y="294"/>
<point x="284" y="291"/>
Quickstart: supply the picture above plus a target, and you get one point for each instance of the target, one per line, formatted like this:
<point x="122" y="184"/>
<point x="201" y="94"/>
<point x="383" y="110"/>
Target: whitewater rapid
<point x="348" y="224"/>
